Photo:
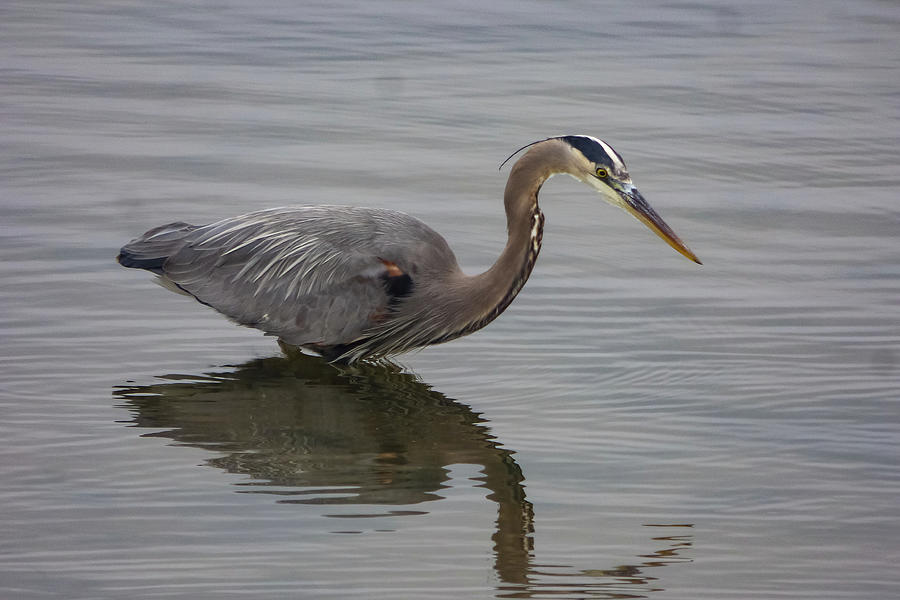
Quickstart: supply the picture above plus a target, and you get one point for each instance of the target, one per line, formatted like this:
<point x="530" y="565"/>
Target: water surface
<point x="633" y="426"/>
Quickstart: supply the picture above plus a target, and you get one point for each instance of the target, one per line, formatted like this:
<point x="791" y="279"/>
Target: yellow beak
<point x="635" y="204"/>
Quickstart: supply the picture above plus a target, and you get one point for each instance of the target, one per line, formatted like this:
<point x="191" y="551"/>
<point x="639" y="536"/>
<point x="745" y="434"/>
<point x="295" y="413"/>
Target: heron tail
<point x="151" y="250"/>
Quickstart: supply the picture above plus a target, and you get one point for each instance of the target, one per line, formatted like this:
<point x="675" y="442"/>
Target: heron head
<point x="594" y="162"/>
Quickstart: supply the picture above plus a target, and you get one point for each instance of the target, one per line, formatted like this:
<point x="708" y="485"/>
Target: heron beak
<point x="635" y="204"/>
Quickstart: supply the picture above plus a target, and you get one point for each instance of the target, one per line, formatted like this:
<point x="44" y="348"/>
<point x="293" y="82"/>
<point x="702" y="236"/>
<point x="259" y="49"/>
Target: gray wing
<point x="310" y="275"/>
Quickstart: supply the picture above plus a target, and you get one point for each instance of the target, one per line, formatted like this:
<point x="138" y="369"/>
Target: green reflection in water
<point x="311" y="433"/>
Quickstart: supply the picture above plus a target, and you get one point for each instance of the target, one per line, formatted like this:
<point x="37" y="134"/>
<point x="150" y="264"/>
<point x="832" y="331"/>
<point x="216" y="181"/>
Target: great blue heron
<point x="364" y="283"/>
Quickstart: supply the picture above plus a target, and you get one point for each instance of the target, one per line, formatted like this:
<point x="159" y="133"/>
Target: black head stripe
<point x="594" y="151"/>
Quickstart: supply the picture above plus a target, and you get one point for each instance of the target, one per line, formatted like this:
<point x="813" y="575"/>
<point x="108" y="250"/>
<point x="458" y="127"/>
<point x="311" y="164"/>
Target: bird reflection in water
<point x="312" y="433"/>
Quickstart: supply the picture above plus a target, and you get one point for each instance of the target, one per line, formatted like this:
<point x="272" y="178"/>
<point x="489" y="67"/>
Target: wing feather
<point x="310" y="275"/>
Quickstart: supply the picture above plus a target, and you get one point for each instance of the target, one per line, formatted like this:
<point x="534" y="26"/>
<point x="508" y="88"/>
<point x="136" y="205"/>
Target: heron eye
<point x="601" y="173"/>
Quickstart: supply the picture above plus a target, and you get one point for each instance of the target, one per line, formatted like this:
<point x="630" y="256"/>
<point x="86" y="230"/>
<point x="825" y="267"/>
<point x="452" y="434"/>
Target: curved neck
<point x="453" y="304"/>
<point x="489" y="293"/>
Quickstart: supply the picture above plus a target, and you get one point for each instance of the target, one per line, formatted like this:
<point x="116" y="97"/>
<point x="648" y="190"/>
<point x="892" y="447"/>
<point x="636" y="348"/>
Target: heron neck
<point x="524" y="228"/>
<point x="489" y="293"/>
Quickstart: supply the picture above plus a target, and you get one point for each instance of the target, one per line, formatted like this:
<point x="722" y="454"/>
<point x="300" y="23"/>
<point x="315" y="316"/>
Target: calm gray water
<point x="634" y="426"/>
